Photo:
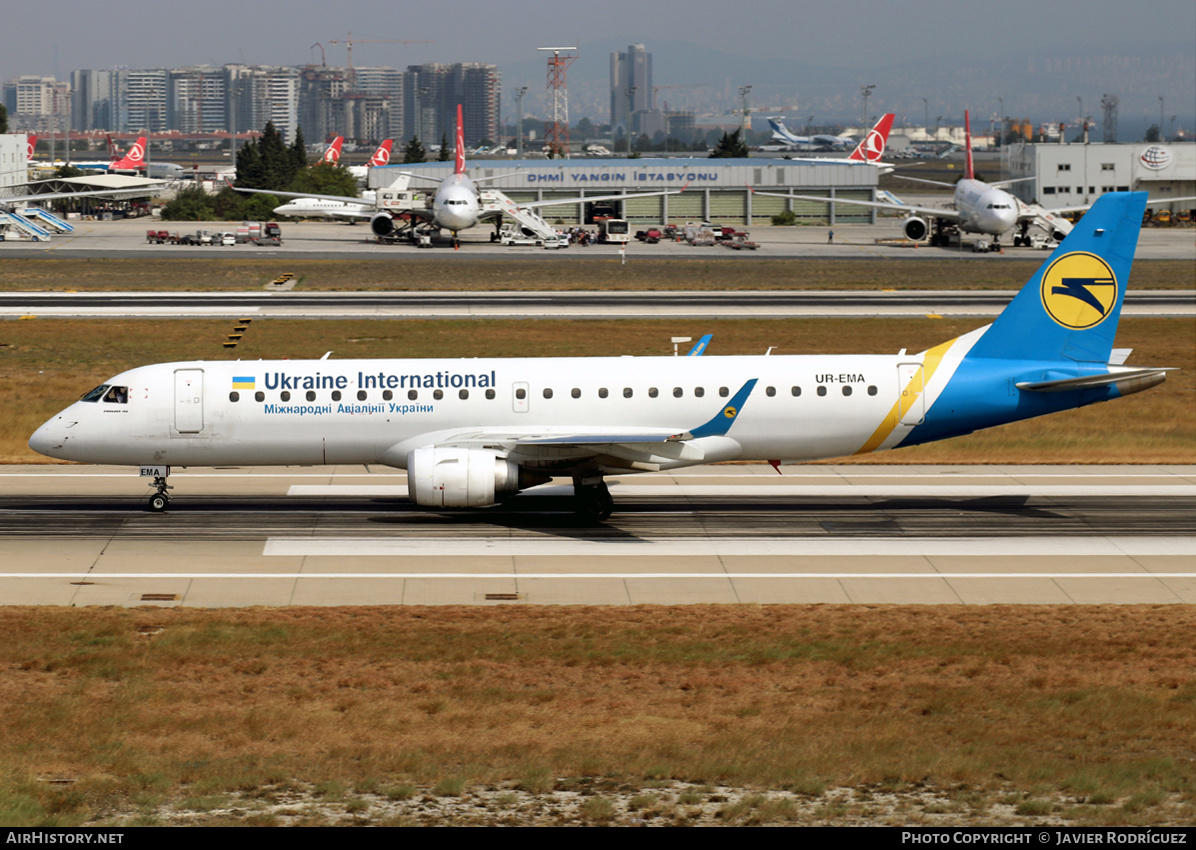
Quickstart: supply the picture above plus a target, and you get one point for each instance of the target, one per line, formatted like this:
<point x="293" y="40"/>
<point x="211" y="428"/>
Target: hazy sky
<point x="45" y="39"/>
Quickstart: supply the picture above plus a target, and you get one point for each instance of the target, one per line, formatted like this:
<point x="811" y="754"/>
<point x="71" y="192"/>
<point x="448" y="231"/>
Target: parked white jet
<point x="471" y="431"/>
<point x="321" y="207"/>
<point x="979" y="207"/>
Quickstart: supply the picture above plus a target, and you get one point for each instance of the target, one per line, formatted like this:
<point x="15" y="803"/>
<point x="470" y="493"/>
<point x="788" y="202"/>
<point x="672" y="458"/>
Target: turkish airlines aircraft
<point x="379" y="157"/>
<point x="332" y="156"/>
<point x="979" y="207"/>
<point x="471" y="431"/>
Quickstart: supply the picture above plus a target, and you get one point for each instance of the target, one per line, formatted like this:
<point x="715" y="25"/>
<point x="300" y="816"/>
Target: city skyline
<point x="811" y="58"/>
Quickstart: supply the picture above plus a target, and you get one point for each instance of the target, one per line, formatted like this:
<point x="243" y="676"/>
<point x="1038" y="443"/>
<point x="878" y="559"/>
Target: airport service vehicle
<point x="613" y="231"/>
<point x="471" y="432"/>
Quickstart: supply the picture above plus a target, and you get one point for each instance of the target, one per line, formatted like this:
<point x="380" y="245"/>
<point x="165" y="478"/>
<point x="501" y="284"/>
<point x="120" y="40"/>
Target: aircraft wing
<point x="634" y="448"/>
<point x="936" y="212"/>
<point x="587" y="199"/>
<point x="343" y="198"/>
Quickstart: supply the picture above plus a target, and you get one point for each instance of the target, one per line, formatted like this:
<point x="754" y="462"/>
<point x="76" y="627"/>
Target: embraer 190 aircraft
<point x="470" y="432"/>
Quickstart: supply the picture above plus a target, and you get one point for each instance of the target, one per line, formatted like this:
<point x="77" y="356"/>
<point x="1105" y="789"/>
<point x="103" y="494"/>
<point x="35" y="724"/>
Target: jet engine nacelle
<point x="449" y="477"/>
<point x="382" y="224"/>
<point x="915" y="228"/>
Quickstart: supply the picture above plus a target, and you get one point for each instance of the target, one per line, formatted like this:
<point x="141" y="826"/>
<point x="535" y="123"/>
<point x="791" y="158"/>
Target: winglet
<point x="722" y="421"/>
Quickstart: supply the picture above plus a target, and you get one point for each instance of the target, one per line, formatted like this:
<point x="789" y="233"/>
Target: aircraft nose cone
<point x="50" y="438"/>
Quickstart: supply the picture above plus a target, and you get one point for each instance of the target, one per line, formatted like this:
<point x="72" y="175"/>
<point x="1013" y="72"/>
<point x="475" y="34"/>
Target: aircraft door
<point x="911" y="399"/>
<point x="188" y="401"/>
<point x="520" y="396"/>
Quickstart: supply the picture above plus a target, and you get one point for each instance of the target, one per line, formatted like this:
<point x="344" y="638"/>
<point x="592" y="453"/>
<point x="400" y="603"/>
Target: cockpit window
<point x="117" y="395"/>
<point x="96" y="394"/>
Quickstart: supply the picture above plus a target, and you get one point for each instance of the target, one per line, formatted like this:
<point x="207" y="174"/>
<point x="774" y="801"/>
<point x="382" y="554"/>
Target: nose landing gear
<point x="159" y="500"/>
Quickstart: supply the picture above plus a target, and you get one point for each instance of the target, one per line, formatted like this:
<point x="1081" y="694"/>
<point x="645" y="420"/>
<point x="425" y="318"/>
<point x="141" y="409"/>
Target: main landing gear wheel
<point x="594" y="501"/>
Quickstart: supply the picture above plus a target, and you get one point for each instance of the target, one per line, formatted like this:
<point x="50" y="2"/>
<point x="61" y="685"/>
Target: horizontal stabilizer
<point x="1127" y="381"/>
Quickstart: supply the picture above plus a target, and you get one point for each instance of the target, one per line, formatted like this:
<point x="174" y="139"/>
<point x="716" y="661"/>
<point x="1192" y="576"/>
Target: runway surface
<point x="456" y="305"/>
<point x="77" y="535"/>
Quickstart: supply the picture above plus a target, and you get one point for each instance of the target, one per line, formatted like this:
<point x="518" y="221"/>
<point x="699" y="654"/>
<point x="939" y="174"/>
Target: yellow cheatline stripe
<point x="930" y="363"/>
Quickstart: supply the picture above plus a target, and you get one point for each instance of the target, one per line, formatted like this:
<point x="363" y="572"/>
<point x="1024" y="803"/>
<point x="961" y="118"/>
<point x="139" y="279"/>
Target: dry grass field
<point x="597" y="272"/>
<point x="686" y="714"/>
<point x="47" y="363"/>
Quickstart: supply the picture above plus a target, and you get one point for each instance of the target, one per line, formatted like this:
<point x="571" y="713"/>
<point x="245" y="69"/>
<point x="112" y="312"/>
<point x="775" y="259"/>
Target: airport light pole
<point x="630" y="104"/>
<point x="1161" y="138"/>
<point x="519" y="93"/>
<point x="744" y="91"/>
<point x="926" y="118"/>
<point x="867" y="92"/>
<point x="1001" y="138"/>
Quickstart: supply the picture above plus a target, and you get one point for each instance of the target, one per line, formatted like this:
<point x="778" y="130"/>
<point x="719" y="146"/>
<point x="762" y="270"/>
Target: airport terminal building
<point x="724" y="191"/>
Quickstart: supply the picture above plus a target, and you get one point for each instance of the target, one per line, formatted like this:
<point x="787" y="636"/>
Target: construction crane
<point x="349" y="41"/>
<point x="655" y="89"/>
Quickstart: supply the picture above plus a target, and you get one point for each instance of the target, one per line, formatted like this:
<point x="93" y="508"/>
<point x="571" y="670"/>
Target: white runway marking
<point x="729" y="547"/>
<point x="948" y="490"/>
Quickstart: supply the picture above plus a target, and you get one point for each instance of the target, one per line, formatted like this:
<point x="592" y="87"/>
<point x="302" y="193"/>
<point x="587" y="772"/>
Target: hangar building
<point x="1072" y="174"/>
<point x="716" y="190"/>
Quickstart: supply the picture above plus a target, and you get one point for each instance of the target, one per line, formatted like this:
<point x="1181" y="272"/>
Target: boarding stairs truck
<point x="50" y="220"/>
<point x="24" y="228"/>
<point x="533" y="225"/>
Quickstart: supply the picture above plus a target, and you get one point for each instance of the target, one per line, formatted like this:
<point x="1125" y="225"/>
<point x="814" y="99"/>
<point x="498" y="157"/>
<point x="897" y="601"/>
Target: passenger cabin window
<point x="699" y="392"/>
<point x="575" y="392"/>
<point x="723" y="392"/>
<point x="547" y="392"/>
<point x="438" y="394"/>
<point x="871" y="390"/>
<point x="846" y="390"/>
<point x="520" y="393"/>
<point x="677" y="392"/>
<point x="462" y="394"/>
<point x="822" y="390"/>
<point x="653" y="392"/>
<point x="602" y="392"/>
<point x="259" y="396"/>
<point x="336" y="395"/>
<point x="770" y="391"/>
<point x="412" y="395"/>
<point x="362" y="395"/>
<point x="387" y="395"/>
<point x="490" y="393"/>
<point x="627" y="392"/>
<point x="234" y="396"/>
<point x="795" y="391"/>
<point x="311" y="395"/>
<point x="285" y="395"/>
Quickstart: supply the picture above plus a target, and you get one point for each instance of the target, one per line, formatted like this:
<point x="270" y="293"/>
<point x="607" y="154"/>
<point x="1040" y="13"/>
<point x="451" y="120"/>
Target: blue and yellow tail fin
<point x="1070" y="307"/>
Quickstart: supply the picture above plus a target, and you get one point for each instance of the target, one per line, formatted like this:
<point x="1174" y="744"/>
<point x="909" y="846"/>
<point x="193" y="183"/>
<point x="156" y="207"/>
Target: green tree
<point x="66" y="171"/>
<point x="414" y="151"/>
<point x="251" y="173"/>
<point x="298" y="153"/>
<point x="1153" y="134"/>
<point x="586" y="129"/>
<point x="444" y="148"/>
<point x="324" y="178"/>
<point x="191" y="204"/>
<point x="730" y="145"/>
<point x="277" y="164"/>
<point x="3" y="119"/>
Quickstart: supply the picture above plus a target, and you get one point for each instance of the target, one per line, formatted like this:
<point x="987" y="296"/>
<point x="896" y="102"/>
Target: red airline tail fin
<point x="30" y="147"/>
<point x="333" y="155"/>
<point x="113" y="153"/>
<point x="382" y="155"/>
<point x="872" y="147"/>
<point x="460" y="169"/>
<point x="970" y="173"/>
<point x="136" y="154"/>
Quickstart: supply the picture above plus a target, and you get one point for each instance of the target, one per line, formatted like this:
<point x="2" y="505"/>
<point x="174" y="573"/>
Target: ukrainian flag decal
<point x="1079" y="290"/>
<point x="244" y="383"/>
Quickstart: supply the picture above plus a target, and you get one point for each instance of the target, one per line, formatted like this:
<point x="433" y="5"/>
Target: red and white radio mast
<point x="556" y="131"/>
